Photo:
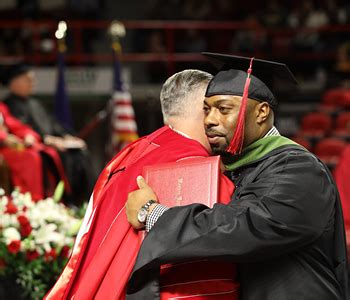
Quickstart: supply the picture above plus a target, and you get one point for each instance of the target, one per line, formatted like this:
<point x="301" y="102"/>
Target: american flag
<point x="124" y="128"/>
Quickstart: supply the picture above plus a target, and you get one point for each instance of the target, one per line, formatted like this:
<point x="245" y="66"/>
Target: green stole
<point x="256" y="151"/>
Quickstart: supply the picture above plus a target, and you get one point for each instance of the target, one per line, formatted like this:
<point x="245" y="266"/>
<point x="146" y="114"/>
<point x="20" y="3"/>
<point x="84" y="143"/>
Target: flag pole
<point x="62" y="109"/>
<point x="60" y="35"/>
<point x="116" y="31"/>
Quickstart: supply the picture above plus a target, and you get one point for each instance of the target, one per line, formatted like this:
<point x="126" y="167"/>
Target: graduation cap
<point x="11" y="71"/>
<point x="265" y="77"/>
<point x="247" y="77"/>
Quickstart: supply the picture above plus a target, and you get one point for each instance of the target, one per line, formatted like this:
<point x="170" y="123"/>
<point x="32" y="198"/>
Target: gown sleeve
<point x="286" y="206"/>
<point x="15" y="126"/>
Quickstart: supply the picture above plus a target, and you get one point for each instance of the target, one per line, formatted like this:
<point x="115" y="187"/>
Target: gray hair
<point x="176" y="92"/>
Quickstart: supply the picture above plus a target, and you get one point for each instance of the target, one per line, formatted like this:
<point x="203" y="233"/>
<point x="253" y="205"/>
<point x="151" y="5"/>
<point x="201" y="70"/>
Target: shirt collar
<point x="179" y="132"/>
<point x="273" y="131"/>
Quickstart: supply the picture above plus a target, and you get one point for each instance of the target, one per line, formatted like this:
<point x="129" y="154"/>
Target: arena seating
<point x="329" y="150"/>
<point x="326" y="132"/>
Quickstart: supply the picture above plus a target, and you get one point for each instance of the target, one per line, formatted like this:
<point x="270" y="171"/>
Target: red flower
<point x="51" y="255"/>
<point x="22" y="220"/>
<point x="14" y="247"/>
<point x="11" y="208"/>
<point x="2" y="264"/>
<point x="26" y="230"/>
<point x="65" y="251"/>
<point x="31" y="255"/>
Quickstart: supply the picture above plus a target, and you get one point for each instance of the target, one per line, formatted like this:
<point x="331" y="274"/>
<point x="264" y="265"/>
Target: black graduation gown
<point x="31" y="112"/>
<point x="76" y="162"/>
<point x="283" y="228"/>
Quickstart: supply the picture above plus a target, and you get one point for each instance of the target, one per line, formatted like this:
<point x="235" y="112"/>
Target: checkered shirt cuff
<point x="155" y="214"/>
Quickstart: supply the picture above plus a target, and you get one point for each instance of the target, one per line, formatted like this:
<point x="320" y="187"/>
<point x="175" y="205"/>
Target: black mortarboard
<point x="231" y="78"/>
<point x="247" y="77"/>
<point x="10" y="71"/>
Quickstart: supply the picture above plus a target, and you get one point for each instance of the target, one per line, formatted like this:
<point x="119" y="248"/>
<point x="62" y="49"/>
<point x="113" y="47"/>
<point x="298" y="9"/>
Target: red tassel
<point x="236" y="144"/>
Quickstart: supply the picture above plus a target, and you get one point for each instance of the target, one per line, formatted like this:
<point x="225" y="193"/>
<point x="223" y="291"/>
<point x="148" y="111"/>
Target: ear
<point x="263" y="111"/>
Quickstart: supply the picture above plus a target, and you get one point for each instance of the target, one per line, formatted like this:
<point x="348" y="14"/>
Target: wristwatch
<point x="143" y="212"/>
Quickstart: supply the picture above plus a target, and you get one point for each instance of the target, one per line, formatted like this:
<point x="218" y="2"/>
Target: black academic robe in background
<point x="284" y="229"/>
<point x="76" y="162"/>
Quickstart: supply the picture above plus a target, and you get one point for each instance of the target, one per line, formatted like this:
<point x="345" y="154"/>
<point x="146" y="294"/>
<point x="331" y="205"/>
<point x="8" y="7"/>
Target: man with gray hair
<point x="181" y="99"/>
<point x="106" y="247"/>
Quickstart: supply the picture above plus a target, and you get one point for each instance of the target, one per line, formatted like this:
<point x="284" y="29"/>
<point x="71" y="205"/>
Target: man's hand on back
<point x="136" y="200"/>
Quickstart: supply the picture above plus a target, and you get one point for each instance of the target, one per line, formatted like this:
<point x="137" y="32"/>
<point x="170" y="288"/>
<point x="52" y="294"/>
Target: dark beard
<point x="227" y="158"/>
<point x="217" y="151"/>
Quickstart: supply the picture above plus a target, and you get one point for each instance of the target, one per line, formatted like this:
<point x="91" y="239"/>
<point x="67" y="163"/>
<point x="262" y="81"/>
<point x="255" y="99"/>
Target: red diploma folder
<point x="190" y="180"/>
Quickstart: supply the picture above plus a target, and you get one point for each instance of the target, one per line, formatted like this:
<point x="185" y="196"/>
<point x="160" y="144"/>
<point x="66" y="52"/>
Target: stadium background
<point x="163" y="37"/>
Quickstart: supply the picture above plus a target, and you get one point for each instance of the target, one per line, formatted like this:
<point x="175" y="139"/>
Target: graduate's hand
<point x="29" y="140"/>
<point x="55" y="142"/>
<point x="136" y="200"/>
<point x="74" y="142"/>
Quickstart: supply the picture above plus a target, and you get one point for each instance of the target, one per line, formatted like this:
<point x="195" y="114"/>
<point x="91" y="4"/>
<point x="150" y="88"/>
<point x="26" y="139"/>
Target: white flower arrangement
<point x="35" y="240"/>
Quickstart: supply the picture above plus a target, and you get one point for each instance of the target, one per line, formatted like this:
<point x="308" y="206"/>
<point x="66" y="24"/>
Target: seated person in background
<point x="22" y="150"/>
<point x="19" y="80"/>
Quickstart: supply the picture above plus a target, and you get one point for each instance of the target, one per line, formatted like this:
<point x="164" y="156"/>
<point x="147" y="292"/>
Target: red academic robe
<point x="106" y="247"/>
<point x="342" y="175"/>
<point x="201" y="280"/>
<point x="26" y="164"/>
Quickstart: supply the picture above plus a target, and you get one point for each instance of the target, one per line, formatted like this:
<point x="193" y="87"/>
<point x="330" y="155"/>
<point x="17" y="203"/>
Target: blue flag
<point x="62" y="109"/>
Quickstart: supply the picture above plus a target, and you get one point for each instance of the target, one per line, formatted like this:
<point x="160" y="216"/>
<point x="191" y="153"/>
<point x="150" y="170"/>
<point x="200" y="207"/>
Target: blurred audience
<point x="156" y="44"/>
<point x="310" y="16"/>
<point x="73" y="152"/>
<point x="246" y="40"/>
<point x="156" y="10"/>
<point x="274" y="14"/>
<point x="193" y="40"/>
<point x="195" y="9"/>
